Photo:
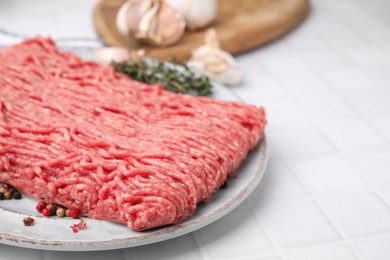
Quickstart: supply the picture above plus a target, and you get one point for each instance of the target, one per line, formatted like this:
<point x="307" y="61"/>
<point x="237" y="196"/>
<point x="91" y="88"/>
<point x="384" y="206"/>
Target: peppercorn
<point x="53" y="211"/>
<point x="60" y="212"/>
<point x="74" y="213"/>
<point x="67" y="212"/>
<point x="46" y="212"/>
<point x="17" y="195"/>
<point x="41" y="205"/>
<point x="8" y="192"/>
<point x="75" y="228"/>
<point x="5" y="186"/>
<point x="29" y="221"/>
<point x="7" y="195"/>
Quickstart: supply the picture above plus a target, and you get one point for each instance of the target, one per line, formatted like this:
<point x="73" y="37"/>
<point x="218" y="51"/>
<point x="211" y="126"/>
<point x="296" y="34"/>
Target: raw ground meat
<point x="78" y="134"/>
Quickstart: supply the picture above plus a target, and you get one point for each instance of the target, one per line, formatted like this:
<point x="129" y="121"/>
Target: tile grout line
<point x="375" y="189"/>
<point x="270" y="234"/>
<point x="203" y="254"/>
<point x="336" y="148"/>
<point x="329" y="217"/>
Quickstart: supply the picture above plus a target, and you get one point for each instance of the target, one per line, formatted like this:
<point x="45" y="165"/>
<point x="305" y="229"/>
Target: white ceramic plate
<point x="55" y="233"/>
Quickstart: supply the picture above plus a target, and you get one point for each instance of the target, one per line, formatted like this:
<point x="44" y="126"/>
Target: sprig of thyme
<point x="177" y="79"/>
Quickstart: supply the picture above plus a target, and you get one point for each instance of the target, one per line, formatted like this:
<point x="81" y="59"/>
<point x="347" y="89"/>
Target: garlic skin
<point x="197" y="13"/>
<point x="107" y="55"/>
<point x="152" y="21"/>
<point x="216" y="63"/>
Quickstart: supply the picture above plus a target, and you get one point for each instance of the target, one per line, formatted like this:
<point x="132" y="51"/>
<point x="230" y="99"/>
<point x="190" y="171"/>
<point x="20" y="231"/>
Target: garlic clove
<point x="223" y="73"/>
<point x="152" y="21"/>
<point x="136" y="11"/>
<point x="121" y="19"/>
<point x="117" y="54"/>
<point x="107" y="55"/>
<point x="212" y="39"/>
<point x="215" y="62"/>
<point x="216" y="65"/>
<point x="162" y="25"/>
<point x="197" y="13"/>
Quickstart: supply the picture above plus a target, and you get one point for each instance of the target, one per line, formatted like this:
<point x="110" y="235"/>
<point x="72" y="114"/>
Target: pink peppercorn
<point x="41" y="206"/>
<point x="74" y="213"/>
<point x="46" y="212"/>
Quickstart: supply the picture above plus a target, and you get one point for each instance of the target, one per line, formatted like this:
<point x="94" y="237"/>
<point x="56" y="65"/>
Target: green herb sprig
<point x="177" y="79"/>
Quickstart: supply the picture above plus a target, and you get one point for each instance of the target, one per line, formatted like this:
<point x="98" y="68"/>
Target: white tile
<point x="368" y="56"/>
<point x="278" y="183"/>
<point x="330" y="174"/>
<point x="263" y="85"/>
<point x="298" y="224"/>
<point x="238" y="234"/>
<point x="376" y="250"/>
<point x="282" y="110"/>
<point x="380" y="9"/>
<point x="264" y="258"/>
<point x="30" y="20"/>
<point x="325" y="105"/>
<point x="380" y="76"/>
<point x="259" y="257"/>
<point x="363" y="21"/>
<point x="283" y="61"/>
<point x="352" y="134"/>
<point x="349" y="80"/>
<point x="298" y="83"/>
<point x="371" y="103"/>
<point x="11" y="252"/>
<point x="296" y="140"/>
<point x="382" y="125"/>
<point x="274" y="154"/>
<point x="375" y="166"/>
<point x="250" y="63"/>
<point x="303" y="40"/>
<point x="359" y="215"/>
<point x="345" y="37"/>
<point x="386" y="195"/>
<point x="185" y="248"/>
<point x="97" y="255"/>
<point x="334" y="29"/>
<point x="324" y="253"/>
<point x="326" y="59"/>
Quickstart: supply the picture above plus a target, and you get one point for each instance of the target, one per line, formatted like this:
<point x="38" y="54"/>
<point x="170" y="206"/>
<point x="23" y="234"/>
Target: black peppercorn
<point x="17" y="195"/>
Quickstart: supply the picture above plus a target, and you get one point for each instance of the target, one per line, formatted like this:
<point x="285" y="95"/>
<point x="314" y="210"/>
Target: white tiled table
<point x="326" y="88"/>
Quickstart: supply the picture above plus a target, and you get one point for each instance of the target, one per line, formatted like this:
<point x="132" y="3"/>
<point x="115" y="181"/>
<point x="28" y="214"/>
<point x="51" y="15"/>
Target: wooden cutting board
<point x="241" y="25"/>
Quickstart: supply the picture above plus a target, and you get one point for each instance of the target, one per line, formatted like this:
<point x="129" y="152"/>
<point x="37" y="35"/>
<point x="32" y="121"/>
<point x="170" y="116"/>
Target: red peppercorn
<point x="46" y="212"/>
<point x="75" y="228"/>
<point x="74" y="213"/>
<point x="41" y="205"/>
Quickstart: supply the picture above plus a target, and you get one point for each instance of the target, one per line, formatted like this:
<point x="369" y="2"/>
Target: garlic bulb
<point x="152" y="21"/>
<point x="197" y="13"/>
<point x="216" y="63"/>
<point x="116" y="54"/>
